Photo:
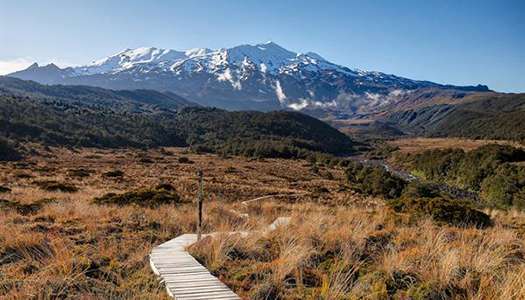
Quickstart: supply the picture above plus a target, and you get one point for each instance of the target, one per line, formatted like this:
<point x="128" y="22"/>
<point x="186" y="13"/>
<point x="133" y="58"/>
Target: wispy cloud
<point x="13" y="65"/>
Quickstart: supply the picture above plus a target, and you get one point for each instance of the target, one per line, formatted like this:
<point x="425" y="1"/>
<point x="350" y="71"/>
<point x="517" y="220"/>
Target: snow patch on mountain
<point x="279" y="92"/>
<point x="268" y="58"/>
<point x="227" y="76"/>
<point x="236" y="78"/>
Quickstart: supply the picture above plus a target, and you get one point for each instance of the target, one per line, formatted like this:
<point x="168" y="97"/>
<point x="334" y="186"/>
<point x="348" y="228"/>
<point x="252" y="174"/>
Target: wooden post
<point x="199" y="206"/>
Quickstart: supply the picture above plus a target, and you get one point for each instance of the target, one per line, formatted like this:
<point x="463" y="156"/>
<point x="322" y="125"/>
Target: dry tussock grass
<point x="69" y="247"/>
<point x="352" y="253"/>
<point x="339" y="245"/>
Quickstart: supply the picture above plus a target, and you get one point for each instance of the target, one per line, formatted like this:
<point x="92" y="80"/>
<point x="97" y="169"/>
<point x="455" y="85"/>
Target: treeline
<point x="414" y="198"/>
<point x="58" y="123"/>
<point x="496" y="172"/>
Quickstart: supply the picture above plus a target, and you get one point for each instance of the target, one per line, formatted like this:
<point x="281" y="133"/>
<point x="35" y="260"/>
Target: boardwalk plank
<point x="185" y="278"/>
<point x="183" y="275"/>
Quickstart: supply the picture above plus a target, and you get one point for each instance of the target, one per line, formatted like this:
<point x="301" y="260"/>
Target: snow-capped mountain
<point x="260" y="77"/>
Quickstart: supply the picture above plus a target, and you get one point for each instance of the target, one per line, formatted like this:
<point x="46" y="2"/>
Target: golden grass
<point x="352" y="253"/>
<point x="415" y="145"/>
<point x="73" y="247"/>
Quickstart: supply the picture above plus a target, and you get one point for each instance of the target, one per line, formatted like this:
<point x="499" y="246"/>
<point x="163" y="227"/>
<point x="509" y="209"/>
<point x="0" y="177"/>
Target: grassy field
<point x="56" y="242"/>
<point x="419" y="144"/>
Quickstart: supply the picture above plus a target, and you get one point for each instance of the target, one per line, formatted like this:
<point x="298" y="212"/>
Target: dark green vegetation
<point x="7" y="151"/>
<point x="153" y="197"/>
<point x="493" y="171"/>
<point x="421" y="200"/>
<point x="22" y="208"/>
<point x="114" y="173"/>
<point x="184" y="160"/>
<point x="272" y="134"/>
<point x="86" y="116"/>
<point x="374" y="181"/>
<point x="55" y="186"/>
<point x="58" y="121"/>
<point x="487" y="116"/>
<point x="414" y="198"/>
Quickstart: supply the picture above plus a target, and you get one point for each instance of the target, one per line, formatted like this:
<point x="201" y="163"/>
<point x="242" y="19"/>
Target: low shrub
<point x="7" y="151"/>
<point x="152" y="197"/>
<point x="55" y="186"/>
<point x="4" y="189"/>
<point x="185" y="160"/>
<point x="19" y="248"/>
<point x="114" y="173"/>
<point x="230" y="170"/>
<point x="442" y="210"/>
<point x="79" y="173"/>
<point x="23" y="175"/>
<point x="24" y="209"/>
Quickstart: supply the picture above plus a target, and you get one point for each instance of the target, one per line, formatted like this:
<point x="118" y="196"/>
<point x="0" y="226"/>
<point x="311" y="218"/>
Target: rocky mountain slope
<point x="249" y="77"/>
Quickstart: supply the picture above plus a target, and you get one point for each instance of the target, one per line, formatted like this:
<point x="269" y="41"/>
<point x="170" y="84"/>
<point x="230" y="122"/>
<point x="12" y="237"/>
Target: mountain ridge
<point x="261" y="77"/>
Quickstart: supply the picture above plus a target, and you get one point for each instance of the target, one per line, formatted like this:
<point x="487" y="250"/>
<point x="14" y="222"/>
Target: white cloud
<point x="13" y="65"/>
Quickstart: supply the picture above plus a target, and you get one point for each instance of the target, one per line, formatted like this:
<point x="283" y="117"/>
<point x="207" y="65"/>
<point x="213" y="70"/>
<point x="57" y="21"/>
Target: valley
<point x="93" y="179"/>
<point x="162" y="150"/>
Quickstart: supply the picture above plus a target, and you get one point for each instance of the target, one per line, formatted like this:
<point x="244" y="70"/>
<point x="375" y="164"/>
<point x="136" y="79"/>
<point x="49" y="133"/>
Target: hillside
<point x="491" y="116"/>
<point x="122" y="100"/>
<point x="87" y="116"/>
<point x="279" y="133"/>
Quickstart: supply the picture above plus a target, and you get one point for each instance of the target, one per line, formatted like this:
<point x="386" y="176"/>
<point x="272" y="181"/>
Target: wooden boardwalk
<point x="184" y="276"/>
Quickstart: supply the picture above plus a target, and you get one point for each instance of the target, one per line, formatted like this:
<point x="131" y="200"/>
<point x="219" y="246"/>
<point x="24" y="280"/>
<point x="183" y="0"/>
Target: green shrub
<point x="442" y="210"/>
<point x="488" y="170"/>
<point x="421" y="190"/>
<point x="374" y="180"/>
<point x="505" y="188"/>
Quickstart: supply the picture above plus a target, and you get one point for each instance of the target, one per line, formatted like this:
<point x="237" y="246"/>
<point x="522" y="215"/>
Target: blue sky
<point x="456" y="42"/>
